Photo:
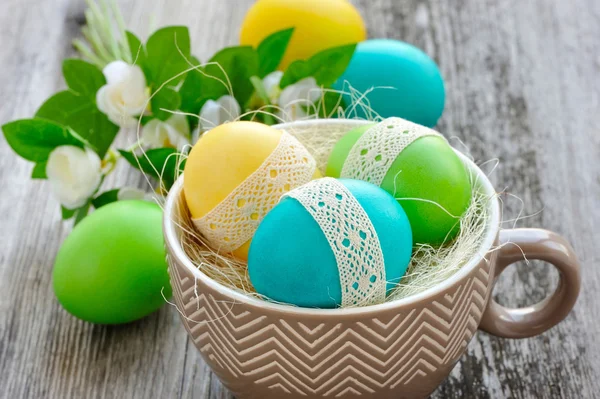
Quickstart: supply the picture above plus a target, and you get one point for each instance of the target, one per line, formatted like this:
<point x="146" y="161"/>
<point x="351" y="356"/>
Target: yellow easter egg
<point x="235" y="174"/>
<point x="318" y="24"/>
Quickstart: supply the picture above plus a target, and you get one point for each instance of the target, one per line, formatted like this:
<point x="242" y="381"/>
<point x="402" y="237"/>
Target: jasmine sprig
<point x="104" y="33"/>
<point x="80" y="123"/>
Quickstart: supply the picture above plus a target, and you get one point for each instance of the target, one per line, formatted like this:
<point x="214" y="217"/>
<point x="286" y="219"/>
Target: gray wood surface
<point x="523" y="86"/>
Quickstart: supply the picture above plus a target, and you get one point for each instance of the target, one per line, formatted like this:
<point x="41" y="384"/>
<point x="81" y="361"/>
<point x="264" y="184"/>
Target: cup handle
<point x="533" y="320"/>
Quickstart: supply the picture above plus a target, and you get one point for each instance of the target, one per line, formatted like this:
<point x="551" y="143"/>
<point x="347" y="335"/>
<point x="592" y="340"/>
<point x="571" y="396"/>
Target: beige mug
<point x="399" y="349"/>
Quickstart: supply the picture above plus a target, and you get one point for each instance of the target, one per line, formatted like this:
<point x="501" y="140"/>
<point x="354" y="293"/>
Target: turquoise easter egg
<point x="406" y="82"/>
<point x="291" y="260"/>
<point x="111" y="269"/>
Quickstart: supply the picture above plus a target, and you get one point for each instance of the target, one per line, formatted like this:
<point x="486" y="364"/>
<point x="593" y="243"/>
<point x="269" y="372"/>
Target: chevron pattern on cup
<point x="294" y="355"/>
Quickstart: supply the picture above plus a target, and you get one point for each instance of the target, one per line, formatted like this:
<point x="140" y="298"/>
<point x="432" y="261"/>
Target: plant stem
<point x="92" y="36"/>
<point x="111" y="159"/>
<point x="262" y="94"/>
<point x="81" y="213"/>
<point x="122" y="30"/>
<point x="135" y="145"/>
<point x="109" y="31"/>
<point x="86" y="52"/>
<point x="105" y="33"/>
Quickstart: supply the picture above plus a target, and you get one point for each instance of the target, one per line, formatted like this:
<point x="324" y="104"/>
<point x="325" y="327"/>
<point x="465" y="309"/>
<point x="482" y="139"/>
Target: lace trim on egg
<point x="374" y="152"/>
<point x="352" y="239"/>
<point x="235" y="219"/>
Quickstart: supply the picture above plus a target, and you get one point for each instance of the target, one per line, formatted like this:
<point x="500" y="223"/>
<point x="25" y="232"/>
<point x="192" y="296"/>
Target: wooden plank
<point x="522" y="87"/>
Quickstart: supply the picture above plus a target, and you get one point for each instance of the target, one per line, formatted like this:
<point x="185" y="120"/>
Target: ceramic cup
<point x="399" y="349"/>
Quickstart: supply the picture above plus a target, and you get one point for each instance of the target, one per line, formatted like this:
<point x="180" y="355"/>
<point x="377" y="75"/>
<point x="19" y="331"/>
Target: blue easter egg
<point x="290" y="259"/>
<point x="416" y="88"/>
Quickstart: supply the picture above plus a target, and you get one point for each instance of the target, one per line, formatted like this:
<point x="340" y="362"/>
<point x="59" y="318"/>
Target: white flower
<point x="74" y="174"/>
<point x="271" y="85"/>
<point x="195" y="135"/>
<point x="295" y="98"/>
<point x="214" y="113"/>
<point x="125" y="95"/>
<point x="174" y="132"/>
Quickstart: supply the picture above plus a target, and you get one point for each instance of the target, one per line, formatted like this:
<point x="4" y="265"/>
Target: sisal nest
<point x="429" y="266"/>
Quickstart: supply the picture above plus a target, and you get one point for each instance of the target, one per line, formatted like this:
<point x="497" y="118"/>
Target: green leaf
<point x="161" y="163"/>
<point x="145" y="119"/>
<point x="67" y="213"/>
<point x="191" y="92"/>
<point x="80" y="114"/>
<point x="259" y="89"/>
<point x="329" y="104"/>
<point x="137" y="49"/>
<point x="167" y="99"/>
<point x="260" y="92"/>
<point x="271" y="50"/>
<point x="34" y="139"/>
<point x="80" y="213"/>
<point x="106" y="198"/>
<point x="326" y="67"/>
<point x="138" y="53"/>
<point x="39" y="171"/>
<point x="239" y="63"/>
<point x="167" y="55"/>
<point x="83" y="78"/>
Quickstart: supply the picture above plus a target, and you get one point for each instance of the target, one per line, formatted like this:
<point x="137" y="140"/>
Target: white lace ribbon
<point x="374" y="152"/>
<point x="352" y="239"/>
<point x="234" y="220"/>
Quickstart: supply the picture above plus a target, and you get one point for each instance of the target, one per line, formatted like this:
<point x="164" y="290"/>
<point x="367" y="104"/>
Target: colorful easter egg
<point x="235" y="174"/>
<point x="331" y="243"/>
<point x="111" y="269"/>
<point x="318" y="25"/>
<point x="417" y="166"/>
<point x="397" y="78"/>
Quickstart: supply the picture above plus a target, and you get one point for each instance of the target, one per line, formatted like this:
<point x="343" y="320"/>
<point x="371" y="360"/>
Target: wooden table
<point x="523" y="86"/>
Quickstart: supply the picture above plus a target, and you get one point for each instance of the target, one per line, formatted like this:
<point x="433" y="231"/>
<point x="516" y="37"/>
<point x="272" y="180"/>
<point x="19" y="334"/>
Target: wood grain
<point x="522" y="87"/>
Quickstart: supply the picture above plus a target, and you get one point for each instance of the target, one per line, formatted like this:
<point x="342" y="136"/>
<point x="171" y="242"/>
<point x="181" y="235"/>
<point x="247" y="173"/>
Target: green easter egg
<point x="427" y="169"/>
<point x="111" y="268"/>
